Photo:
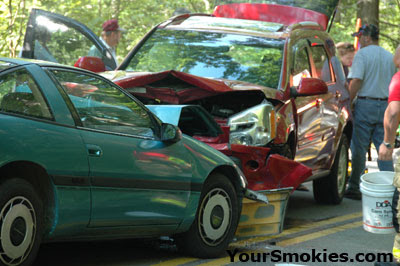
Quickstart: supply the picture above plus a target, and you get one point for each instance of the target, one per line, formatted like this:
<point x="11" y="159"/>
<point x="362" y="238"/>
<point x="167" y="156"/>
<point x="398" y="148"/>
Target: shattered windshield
<point x="211" y="54"/>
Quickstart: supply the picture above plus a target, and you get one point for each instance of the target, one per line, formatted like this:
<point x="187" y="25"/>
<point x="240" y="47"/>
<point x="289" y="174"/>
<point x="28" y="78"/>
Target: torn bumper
<point x="264" y="170"/>
<point x="256" y="196"/>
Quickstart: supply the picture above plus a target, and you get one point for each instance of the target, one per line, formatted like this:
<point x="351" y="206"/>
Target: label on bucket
<point x="377" y="214"/>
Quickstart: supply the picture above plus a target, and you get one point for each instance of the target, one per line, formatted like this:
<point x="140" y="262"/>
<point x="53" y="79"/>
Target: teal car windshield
<point x="212" y="54"/>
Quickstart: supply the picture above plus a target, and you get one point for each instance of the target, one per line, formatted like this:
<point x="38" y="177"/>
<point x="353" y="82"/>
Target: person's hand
<point x="385" y="154"/>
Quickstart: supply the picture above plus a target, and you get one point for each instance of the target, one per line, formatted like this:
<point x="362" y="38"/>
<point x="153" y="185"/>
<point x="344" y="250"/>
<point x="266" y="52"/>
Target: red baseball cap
<point x="112" y="25"/>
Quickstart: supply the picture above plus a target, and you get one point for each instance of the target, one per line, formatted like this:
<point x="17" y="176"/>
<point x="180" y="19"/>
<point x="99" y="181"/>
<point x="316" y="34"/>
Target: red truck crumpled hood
<point x="202" y="87"/>
<point x="272" y="170"/>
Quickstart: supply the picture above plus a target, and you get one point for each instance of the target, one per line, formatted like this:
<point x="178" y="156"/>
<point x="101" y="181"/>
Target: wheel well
<point x="232" y="175"/>
<point x="287" y="149"/>
<point x="37" y="176"/>
<point x="292" y="144"/>
<point x="348" y="130"/>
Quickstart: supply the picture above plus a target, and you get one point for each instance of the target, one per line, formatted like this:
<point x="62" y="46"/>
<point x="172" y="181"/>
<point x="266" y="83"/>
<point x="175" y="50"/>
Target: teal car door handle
<point x="94" y="150"/>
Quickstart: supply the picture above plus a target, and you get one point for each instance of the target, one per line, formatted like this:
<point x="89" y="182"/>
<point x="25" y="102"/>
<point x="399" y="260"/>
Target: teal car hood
<point x="206" y="159"/>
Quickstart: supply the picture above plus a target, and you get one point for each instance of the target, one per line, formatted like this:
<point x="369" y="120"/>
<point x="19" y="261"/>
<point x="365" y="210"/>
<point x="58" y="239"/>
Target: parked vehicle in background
<point x="81" y="159"/>
<point x="275" y="80"/>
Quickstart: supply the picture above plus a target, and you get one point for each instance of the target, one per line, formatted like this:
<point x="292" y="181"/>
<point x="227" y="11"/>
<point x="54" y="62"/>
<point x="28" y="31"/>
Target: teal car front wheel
<point x="20" y="222"/>
<point x="216" y="220"/>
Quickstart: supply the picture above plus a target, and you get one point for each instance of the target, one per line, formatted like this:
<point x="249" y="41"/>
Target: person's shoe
<point x="352" y="194"/>
<point x="386" y="264"/>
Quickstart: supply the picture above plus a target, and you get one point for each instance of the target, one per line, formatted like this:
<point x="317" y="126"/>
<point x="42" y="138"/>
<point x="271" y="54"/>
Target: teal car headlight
<point x="254" y="126"/>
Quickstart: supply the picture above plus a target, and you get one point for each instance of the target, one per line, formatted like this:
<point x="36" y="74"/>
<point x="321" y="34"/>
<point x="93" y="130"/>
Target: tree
<point x="12" y="27"/>
<point x="388" y="24"/>
<point x="386" y="17"/>
<point x="368" y="11"/>
<point x="138" y="17"/>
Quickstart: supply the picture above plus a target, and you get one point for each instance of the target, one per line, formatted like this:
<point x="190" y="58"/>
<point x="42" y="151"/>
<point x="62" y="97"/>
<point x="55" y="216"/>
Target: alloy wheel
<point x="342" y="170"/>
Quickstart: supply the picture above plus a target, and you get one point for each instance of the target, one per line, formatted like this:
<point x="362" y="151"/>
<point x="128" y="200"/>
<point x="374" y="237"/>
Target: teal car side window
<point x="102" y="106"/>
<point x="19" y="94"/>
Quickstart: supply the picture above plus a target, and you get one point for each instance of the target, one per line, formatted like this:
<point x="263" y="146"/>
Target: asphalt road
<point x="333" y="232"/>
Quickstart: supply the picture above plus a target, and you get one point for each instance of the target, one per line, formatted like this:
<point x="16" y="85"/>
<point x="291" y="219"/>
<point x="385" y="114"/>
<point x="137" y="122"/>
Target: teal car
<point x="80" y="159"/>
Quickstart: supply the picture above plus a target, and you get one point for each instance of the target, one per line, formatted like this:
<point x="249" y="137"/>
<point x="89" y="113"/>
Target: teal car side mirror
<point x="170" y="133"/>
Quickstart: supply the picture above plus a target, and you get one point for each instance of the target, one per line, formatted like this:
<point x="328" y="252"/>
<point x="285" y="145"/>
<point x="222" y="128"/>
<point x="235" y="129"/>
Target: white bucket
<point x="377" y="192"/>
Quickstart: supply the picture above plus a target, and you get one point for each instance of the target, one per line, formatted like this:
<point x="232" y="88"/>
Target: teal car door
<point x="136" y="179"/>
<point x="37" y="130"/>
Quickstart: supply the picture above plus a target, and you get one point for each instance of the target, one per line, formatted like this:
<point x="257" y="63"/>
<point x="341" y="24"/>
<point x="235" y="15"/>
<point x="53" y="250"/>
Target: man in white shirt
<point x="110" y="36"/>
<point x="370" y="75"/>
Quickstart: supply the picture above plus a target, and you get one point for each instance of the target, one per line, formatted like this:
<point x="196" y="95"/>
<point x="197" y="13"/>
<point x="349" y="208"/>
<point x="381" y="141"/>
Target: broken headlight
<point x="254" y="126"/>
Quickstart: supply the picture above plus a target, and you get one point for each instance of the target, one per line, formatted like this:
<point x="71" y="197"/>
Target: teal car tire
<point x="216" y="220"/>
<point x="21" y="219"/>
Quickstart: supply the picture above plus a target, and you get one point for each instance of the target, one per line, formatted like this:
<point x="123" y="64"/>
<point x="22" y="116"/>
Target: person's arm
<point x="355" y="86"/>
<point x="356" y="75"/>
<point x="390" y="123"/>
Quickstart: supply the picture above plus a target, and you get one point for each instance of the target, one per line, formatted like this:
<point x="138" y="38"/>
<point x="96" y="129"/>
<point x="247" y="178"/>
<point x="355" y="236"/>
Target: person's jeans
<point x="385" y="165"/>
<point x="367" y="126"/>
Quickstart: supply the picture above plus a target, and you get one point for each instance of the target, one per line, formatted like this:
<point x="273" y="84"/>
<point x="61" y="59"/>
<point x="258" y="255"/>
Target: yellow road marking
<point x="301" y="228"/>
<point x="296" y="240"/>
<point x="298" y="229"/>
<point x="174" y="262"/>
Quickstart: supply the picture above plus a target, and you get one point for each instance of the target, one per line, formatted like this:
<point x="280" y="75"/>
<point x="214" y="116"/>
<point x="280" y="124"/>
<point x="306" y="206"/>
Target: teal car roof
<point x="6" y="63"/>
<point x="24" y="61"/>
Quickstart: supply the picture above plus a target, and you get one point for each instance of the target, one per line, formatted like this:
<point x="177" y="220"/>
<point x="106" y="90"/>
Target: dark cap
<point x="368" y="30"/>
<point x="112" y="25"/>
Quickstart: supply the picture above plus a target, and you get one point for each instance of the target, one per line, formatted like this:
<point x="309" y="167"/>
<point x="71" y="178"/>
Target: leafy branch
<point x="390" y="38"/>
<point x="388" y="23"/>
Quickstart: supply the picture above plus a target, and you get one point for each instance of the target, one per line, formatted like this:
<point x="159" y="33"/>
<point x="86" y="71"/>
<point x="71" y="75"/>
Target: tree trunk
<point x="368" y="11"/>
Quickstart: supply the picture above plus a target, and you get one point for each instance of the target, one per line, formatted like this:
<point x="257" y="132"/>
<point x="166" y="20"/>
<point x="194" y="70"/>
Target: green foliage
<point x="13" y="19"/>
<point x="389" y="24"/>
<point x="138" y="17"/>
<point x="345" y="23"/>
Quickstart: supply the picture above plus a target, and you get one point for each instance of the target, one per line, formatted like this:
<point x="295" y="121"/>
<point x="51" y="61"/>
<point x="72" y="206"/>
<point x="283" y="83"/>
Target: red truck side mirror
<point x="309" y="87"/>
